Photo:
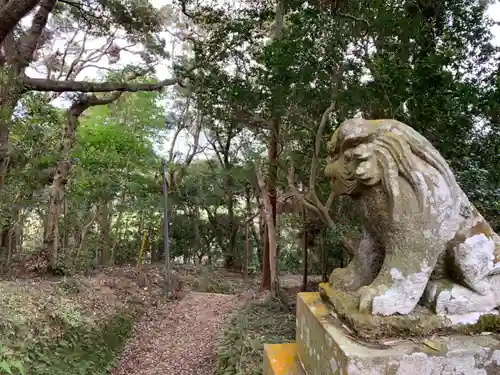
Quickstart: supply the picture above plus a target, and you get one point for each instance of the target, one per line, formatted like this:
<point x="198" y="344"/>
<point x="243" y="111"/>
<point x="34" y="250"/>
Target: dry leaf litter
<point x="179" y="338"/>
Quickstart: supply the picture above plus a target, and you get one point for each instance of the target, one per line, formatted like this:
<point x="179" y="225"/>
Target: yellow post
<point x="139" y="261"/>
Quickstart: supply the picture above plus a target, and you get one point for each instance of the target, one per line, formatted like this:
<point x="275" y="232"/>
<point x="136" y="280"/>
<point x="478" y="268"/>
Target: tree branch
<point x="353" y="18"/>
<point x="300" y="196"/>
<point x="83" y="12"/>
<point x="94" y="100"/>
<point x="13" y="12"/>
<point x="40" y="84"/>
<point x="172" y="145"/>
<point x="196" y="135"/>
<point x="181" y="125"/>
<point x="337" y="79"/>
<point x="29" y="40"/>
<point x="87" y="101"/>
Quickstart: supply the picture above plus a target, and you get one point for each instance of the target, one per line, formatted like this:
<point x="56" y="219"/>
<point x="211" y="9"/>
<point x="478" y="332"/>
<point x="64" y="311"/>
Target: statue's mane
<point x="397" y="147"/>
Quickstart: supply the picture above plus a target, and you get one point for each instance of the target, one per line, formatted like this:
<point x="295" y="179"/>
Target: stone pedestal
<point x="324" y="346"/>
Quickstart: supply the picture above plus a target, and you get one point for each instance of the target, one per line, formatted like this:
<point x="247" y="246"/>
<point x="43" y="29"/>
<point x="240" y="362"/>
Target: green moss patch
<point x="419" y="323"/>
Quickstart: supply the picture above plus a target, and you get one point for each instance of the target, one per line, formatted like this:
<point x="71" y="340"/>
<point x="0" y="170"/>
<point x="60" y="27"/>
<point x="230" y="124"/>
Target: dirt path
<point x="178" y="338"/>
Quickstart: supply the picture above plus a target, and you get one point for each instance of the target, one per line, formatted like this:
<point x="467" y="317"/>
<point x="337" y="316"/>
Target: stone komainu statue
<point x="422" y="238"/>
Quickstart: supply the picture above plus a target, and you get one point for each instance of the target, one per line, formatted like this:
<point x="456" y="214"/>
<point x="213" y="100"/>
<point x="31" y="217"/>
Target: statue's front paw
<point x="345" y="279"/>
<point x="367" y="294"/>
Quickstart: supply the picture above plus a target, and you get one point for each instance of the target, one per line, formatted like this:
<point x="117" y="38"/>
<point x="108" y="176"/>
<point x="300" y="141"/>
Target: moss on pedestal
<point x="421" y="322"/>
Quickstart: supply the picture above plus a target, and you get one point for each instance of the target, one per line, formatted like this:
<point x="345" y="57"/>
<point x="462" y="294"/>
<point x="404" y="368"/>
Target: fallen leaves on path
<point x="178" y="338"/>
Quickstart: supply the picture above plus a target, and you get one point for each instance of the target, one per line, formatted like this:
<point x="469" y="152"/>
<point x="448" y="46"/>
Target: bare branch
<point x="80" y="63"/>
<point x="180" y="127"/>
<point x="184" y="8"/>
<point x="337" y="79"/>
<point x="197" y="131"/>
<point x="172" y="145"/>
<point x="65" y="54"/>
<point x="93" y="100"/>
<point x="300" y="196"/>
<point x="353" y="18"/>
<point x="85" y="14"/>
<point x="76" y="60"/>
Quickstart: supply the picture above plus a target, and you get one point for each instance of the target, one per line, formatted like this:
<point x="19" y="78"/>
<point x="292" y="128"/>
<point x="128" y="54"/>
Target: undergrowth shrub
<point x="80" y="350"/>
<point x="211" y="282"/>
<point x="47" y="329"/>
<point x="9" y="365"/>
<point x="240" y="351"/>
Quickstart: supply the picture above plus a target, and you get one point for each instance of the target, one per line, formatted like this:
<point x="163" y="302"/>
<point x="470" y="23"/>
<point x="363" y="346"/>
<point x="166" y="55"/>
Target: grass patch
<point x="69" y="326"/>
<point x="241" y="348"/>
<point x="79" y="350"/>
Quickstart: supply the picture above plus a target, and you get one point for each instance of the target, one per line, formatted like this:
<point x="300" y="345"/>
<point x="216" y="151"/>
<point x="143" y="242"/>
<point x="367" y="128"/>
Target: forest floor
<point x="179" y="338"/>
<point x="82" y="324"/>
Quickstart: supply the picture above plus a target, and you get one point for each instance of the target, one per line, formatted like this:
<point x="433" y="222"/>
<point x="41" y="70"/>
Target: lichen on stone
<point x="418" y="226"/>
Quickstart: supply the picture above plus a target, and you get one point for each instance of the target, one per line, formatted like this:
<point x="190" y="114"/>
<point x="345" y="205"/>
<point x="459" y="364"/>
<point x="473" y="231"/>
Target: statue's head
<point x="364" y="153"/>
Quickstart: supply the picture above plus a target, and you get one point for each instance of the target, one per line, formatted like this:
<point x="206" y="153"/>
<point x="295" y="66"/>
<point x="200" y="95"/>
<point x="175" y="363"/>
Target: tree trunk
<point x="233" y="259"/>
<point x="247" y="250"/>
<point x="271" y="237"/>
<point x="271" y="186"/>
<point x="9" y="97"/>
<point x="9" y="238"/>
<point x="260" y="240"/>
<point x="56" y="191"/>
<point x="61" y="176"/>
<point x="8" y="100"/>
<point x="157" y="251"/>
<point x="245" y="256"/>
<point x="86" y="227"/>
<point x="272" y="150"/>
<point x="104" y="227"/>
<point x="304" y="251"/>
<point x="266" y="267"/>
<point x="65" y="223"/>
<point x="198" y="247"/>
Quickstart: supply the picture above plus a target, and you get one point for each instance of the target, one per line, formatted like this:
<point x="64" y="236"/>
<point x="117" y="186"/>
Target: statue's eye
<point x="348" y="155"/>
<point x="362" y="152"/>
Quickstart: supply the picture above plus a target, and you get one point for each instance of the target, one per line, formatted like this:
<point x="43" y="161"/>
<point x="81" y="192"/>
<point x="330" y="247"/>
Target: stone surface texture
<point x="325" y="347"/>
<point x="418" y="225"/>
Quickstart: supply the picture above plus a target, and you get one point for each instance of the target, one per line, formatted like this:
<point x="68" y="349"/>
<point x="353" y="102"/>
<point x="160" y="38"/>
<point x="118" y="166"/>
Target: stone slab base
<point x="281" y="359"/>
<point x="326" y="347"/>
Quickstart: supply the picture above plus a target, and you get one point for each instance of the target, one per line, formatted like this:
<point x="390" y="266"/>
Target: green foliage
<point x="80" y="350"/>
<point x="241" y="348"/>
<point x="8" y="365"/>
<point x="47" y="327"/>
<point x="436" y="70"/>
